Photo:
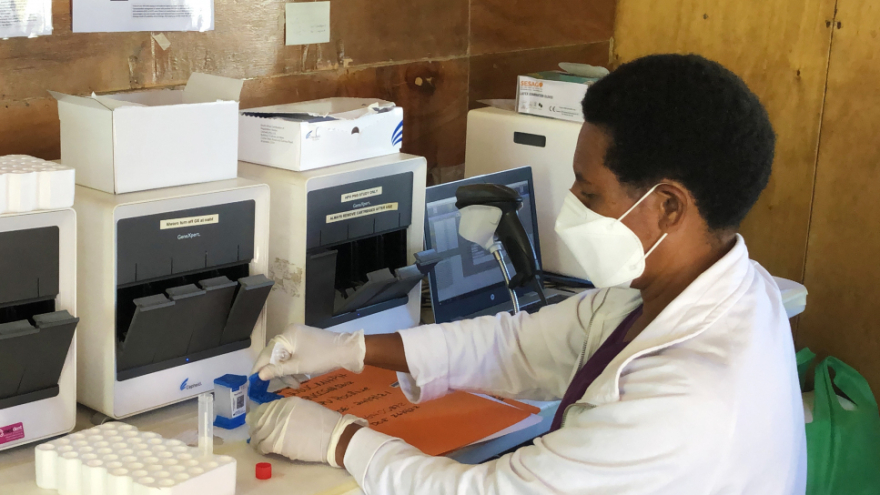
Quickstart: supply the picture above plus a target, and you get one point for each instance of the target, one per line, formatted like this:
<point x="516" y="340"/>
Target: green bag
<point x="804" y="358"/>
<point x="843" y="447"/>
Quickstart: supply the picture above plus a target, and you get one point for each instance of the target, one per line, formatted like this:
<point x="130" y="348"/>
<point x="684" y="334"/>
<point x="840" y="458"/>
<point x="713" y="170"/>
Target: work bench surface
<point x="17" y="471"/>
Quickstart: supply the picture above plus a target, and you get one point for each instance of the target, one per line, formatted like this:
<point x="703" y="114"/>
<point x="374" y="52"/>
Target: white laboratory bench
<point x="17" y="471"/>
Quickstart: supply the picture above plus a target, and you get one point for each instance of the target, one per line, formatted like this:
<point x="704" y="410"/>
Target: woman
<point x="676" y="376"/>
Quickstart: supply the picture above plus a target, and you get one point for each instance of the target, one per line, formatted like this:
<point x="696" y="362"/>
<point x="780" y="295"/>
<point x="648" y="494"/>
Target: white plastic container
<point x="28" y="183"/>
<point x="21" y="192"/>
<point x="115" y="458"/>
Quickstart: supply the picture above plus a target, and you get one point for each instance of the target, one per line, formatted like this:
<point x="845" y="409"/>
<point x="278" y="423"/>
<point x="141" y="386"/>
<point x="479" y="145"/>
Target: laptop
<point x="468" y="283"/>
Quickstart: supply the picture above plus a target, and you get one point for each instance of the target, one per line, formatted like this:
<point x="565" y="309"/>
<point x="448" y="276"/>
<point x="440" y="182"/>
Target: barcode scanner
<point x="489" y="212"/>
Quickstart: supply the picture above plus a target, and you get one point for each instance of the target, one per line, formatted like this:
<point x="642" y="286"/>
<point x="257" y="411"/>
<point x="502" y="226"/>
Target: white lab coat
<point x="704" y="401"/>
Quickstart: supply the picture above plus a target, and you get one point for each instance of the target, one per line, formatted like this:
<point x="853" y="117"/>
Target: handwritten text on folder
<point x="435" y="427"/>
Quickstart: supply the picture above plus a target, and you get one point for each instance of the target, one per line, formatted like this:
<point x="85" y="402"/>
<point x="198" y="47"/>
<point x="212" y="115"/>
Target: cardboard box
<point x="320" y="133"/>
<point x="146" y="140"/>
<point x="554" y="94"/>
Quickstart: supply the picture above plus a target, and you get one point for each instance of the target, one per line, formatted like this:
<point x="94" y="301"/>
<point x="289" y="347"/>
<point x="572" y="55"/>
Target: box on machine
<point x="555" y="94"/>
<point x="320" y="133"/>
<point x="145" y="140"/>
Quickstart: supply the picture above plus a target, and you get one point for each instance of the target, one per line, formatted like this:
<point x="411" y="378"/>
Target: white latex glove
<point x="303" y="350"/>
<point x="298" y="429"/>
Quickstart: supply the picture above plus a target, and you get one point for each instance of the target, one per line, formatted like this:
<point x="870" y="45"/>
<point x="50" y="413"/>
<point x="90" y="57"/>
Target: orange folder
<point x="435" y="427"/>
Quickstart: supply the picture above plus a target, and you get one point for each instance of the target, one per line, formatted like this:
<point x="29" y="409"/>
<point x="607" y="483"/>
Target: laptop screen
<point x="468" y="279"/>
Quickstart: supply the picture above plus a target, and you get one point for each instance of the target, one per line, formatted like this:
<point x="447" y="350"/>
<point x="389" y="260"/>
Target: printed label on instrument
<point x="11" y="433"/>
<point x="176" y="223"/>
<point x="366" y="193"/>
<point x="371" y="210"/>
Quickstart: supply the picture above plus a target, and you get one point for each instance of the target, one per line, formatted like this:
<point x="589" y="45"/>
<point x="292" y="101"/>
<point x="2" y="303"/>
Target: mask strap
<point x="654" y="246"/>
<point x="633" y="207"/>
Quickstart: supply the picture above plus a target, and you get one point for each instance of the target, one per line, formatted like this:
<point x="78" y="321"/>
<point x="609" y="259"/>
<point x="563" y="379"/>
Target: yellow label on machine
<point x="371" y="210"/>
<point x="176" y="223"/>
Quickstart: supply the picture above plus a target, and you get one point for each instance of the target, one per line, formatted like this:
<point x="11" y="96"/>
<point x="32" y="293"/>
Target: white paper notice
<point x="30" y="18"/>
<point x="113" y="16"/>
<point x="307" y="23"/>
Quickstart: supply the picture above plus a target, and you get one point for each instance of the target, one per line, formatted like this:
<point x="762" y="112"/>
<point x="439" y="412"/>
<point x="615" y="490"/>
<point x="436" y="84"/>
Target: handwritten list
<point x="435" y="427"/>
<point x="307" y="23"/>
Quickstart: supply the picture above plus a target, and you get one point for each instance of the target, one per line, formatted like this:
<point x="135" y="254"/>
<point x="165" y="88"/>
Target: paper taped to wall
<point x="307" y="23"/>
<point x="25" y="18"/>
<point x="101" y="16"/>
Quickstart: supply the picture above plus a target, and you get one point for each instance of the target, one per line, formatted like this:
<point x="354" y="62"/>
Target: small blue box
<point x="230" y="401"/>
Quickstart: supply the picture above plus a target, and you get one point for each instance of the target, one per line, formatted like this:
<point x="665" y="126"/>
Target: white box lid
<point x="338" y="108"/>
<point x="200" y="88"/>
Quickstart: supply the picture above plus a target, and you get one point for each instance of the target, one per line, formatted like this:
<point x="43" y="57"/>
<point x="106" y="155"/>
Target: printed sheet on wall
<point x="25" y="18"/>
<point x="110" y="16"/>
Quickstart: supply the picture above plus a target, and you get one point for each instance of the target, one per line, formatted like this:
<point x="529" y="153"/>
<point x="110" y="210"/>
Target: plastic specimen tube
<point x="120" y="482"/>
<point x="69" y="474"/>
<point x="206" y="424"/>
<point x="94" y="475"/>
<point x="46" y="461"/>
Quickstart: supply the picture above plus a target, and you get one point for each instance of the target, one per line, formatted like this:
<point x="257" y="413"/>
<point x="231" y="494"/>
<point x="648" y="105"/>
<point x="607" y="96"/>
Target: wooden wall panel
<point x="30" y="127"/>
<point x="494" y="75"/>
<point x="433" y="96"/>
<point x="416" y="53"/>
<point x="780" y="48"/>
<point x="71" y="63"/>
<point x="843" y="268"/>
<point x="248" y="42"/>
<point x="396" y="30"/>
<point x="506" y="25"/>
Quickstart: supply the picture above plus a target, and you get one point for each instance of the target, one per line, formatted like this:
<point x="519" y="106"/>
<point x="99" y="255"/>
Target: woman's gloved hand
<point x="298" y="429"/>
<point x="304" y="350"/>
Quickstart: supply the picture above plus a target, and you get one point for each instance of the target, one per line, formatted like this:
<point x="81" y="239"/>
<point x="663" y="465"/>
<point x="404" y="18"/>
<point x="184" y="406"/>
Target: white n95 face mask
<point x="608" y="253"/>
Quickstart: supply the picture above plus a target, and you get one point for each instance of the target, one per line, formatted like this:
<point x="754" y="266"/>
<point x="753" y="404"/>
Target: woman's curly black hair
<point x="688" y="119"/>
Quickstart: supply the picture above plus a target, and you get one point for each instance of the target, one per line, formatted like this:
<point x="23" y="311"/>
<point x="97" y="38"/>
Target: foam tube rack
<point x="28" y="183"/>
<point x="117" y="459"/>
